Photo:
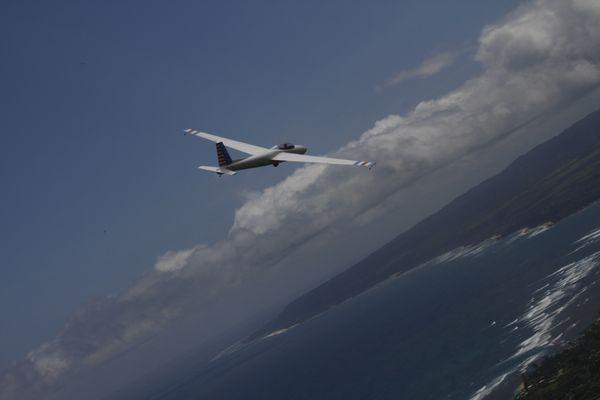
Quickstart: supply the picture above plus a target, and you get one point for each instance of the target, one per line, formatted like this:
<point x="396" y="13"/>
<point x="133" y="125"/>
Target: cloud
<point x="173" y="260"/>
<point x="539" y="57"/>
<point x="430" y="66"/>
<point x="48" y="364"/>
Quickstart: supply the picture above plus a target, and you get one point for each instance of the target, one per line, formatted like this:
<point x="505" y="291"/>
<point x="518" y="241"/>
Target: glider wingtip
<point x="368" y="164"/>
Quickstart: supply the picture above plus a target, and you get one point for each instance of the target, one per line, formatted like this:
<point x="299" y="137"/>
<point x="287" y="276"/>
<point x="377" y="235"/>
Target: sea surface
<point x="461" y="326"/>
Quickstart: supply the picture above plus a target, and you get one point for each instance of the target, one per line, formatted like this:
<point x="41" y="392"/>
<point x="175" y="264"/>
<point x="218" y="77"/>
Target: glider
<point x="261" y="156"/>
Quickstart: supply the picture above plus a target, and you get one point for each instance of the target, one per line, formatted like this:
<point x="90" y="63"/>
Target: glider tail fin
<point x="222" y="155"/>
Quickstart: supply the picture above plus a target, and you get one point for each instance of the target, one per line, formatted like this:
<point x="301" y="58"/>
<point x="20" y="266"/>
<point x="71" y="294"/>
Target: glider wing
<point x="234" y="144"/>
<point x="320" y="160"/>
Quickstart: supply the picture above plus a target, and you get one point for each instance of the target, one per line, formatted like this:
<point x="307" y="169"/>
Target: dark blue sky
<point x="97" y="179"/>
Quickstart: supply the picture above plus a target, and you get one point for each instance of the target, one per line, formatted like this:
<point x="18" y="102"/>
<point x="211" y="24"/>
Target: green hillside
<point x="573" y="373"/>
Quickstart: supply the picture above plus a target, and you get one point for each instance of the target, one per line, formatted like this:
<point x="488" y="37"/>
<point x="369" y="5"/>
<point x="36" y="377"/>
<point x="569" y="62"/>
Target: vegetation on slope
<point x="573" y="373"/>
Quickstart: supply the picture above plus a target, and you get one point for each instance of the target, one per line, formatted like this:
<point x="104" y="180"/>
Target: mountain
<point x="550" y="182"/>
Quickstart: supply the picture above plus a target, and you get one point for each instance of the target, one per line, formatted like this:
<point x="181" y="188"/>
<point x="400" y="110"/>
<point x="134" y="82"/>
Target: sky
<point x="98" y="180"/>
<point x="100" y="189"/>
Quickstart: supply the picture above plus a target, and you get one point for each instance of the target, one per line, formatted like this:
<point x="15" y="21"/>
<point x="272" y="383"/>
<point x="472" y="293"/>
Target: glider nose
<point x="301" y="149"/>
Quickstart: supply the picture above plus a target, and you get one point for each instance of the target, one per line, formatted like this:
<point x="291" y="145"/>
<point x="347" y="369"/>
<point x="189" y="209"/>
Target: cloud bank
<point x="539" y="57"/>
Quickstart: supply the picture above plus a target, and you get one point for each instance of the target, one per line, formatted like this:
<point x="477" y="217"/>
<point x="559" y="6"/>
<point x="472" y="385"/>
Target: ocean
<point x="461" y="326"/>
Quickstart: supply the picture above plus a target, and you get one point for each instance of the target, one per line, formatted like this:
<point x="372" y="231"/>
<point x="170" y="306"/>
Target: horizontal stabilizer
<point x="217" y="170"/>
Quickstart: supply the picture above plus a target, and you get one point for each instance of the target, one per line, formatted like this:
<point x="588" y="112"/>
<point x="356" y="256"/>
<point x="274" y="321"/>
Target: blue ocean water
<point x="461" y="326"/>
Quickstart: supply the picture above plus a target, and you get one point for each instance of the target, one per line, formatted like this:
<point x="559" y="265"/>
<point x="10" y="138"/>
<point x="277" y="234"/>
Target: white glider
<point x="261" y="156"/>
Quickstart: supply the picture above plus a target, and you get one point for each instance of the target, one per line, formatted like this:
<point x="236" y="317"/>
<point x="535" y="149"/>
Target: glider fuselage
<point x="263" y="159"/>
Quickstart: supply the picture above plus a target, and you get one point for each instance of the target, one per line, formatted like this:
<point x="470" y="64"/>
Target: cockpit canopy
<point x="285" y="146"/>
